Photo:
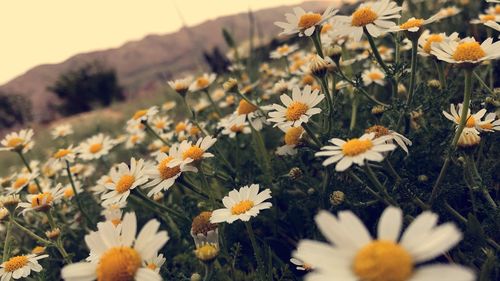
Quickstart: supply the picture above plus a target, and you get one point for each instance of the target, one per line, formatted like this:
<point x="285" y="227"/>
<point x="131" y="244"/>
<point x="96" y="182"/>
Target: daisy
<point x="242" y="204"/>
<point x="234" y="124"/>
<point x="69" y="192"/>
<point x="202" y="82"/>
<point x="493" y="25"/>
<point x="373" y="75"/>
<point x="114" y="212"/>
<point x="473" y="120"/>
<point x="62" y="130"/>
<point x="448" y="12"/>
<point x="355" y="151"/>
<point x="20" y="181"/>
<point x="414" y="25"/>
<point x="20" y="266"/>
<point x="124" y="179"/>
<point x="467" y="51"/>
<point x="300" y="265"/>
<point x="375" y="17"/>
<point x="255" y="117"/>
<point x="155" y="263"/>
<point x="298" y="109"/>
<point x="18" y="141"/>
<point x="283" y="51"/>
<point x="163" y="176"/>
<point x="352" y="254"/>
<point x="427" y="39"/>
<point x="380" y="131"/>
<point x="181" y="86"/>
<point x="490" y="123"/>
<point x="42" y="201"/>
<point x="143" y="115"/>
<point x="95" y="147"/>
<point x="484" y="18"/>
<point x="64" y="154"/>
<point x="135" y="139"/>
<point x="189" y="153"/>
<point x="117" y="254"/>
<point x="293" y="137"/>
<point x="304" y="23"/>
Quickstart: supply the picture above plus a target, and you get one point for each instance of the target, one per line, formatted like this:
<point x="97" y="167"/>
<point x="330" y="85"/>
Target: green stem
<point x="324" y="86"/>
<point x="155" y="204"/>
<point x="413" y="73"/>
<point x="154" y="134"/>
<point x="483" y="84"/>
<point x="6" y="245"/>
<point x="375" y="51"/>
<point x="90" y="222"/>
<point x="208" y="271"/>
<point x="381" y="188"/>
<point x="361" y="90"/>
<point x="354" y="112"/>
<point x="206" y="186"/>
<point x="311" y="134"/>
<point x="373" y="192"/>
<point x="30" y="233"/>
<point x="20" y="153"/>
<point x="461" y="126"/>
<point x="256" y="250"/>
<point x="214" y="105"/>
<point x="440" y="71"/>
<point x="317" y="41"/>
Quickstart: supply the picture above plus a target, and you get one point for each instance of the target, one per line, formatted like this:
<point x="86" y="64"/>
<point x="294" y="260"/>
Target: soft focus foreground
<point x="361" y="147"/>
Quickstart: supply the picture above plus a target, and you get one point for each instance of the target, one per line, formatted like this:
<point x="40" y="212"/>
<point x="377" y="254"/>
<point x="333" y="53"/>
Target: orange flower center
<point x="181" y="126"/>
<point x="295" y="110"/>
<point x="15" y="263"/>
<point x="412" y="23"/>
<point x="124" y="183"/>
<point x="152" y="266"/>
<point x="471" y="122"/>
<point x="309" y="20"/>
<point x="160" y="124"/>
<point x="61" y="153"/>
<point x="431" y="39"/>
<point x="469" y="51"/>
<point x="140" y="113"/>
<point x="485" y="18"/>
<point x="42" y="199"/>
<point x="68" y="192"/>
<point x="242" y="207"/>
<point x="236" y="128"/>
<point x="20" y="182"/>
<point x="246" y="107"/>
<point x="118" y="264"/>
<point x="193" y="152"/>
<point x="15" y="142"/>
<point x="165" y="171"/>
<point x="194" y="131"/>
<point x="375" y="75"/>
<point x="363" y="16"/>
<point x="94" y="148"/>
<point x="202" y="82"/>
<point x="308" y="80"/>
<point x="356" y="146"/>
<point x="165" y="149"/>
<point x="326" y="27"/>
<point x="292" y="135"/>
<point x="283" y="49"/>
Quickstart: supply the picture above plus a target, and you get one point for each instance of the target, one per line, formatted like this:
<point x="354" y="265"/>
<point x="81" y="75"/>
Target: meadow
<point x="362" y="144"/>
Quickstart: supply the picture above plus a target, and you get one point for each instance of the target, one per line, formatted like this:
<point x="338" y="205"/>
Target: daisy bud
<point x="230" y="85"/>
<point x="207" y="252"/>
<point x="195" y="277"/>
<point x="401" y="89"/>
<point x="295" y="173"/>
<point x="378" y="110"/>
<point x="10" y="202"/>
<point x="468" y="138"/>
<point x="422" y="178"/>
<point x="334" y="52"/>
<point x="337" y="198"/>
<point x="318" y="66"/>
<point x="53" y="234"/>
<point x="4" y="213"/>
<point x="435" y="84"/>
<point x="311" y="191"/>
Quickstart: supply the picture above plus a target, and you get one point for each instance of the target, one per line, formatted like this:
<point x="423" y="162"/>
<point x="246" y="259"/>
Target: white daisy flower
<point x="42" y="201"/>
<point x="143" y="115"/>
<point x="352" y="254"/>
<point x="242" y="204"/>
<point x="169" y="105"/>
<point x="124" y="179"/>
<point x="155" y="263"/>
<point x="233" y="125"/>
<point x="20" y="181"/>
<point x="484" y="18"/>
<point x="252" y="115"/>
<point x="20" y="266"/>
<point x="283" y="51"/>
<point x="414" y="25"/>
<point x="117" y="254"/>
<point x="162" y="175"/>
<point x="18" y="141"/>
<point x="467" y="51"/>
<point x="298" y="109"/>
<point x="189" y="153"/>
<point x="304" y="23"/>
<point x="373" y="75"/>
<point x="427" y="39"/>
<point x="95" y="147"/>
<point x="493" y="25"/>
<point x="375" y="17"/>
<point x="293" y="137"/>
<point x="114" y="212"/>
<point x="493" y="10"/>
<point x="355" y="151"/>
<point x="381" y="131"/>
<point x="69" y="192"/>
<point x="490" y="123"/>
<point x="448" y="12"/>
<point x="62" y="130"/>
<point x="474" y="121"/>
<point x="300" y="265"/>
<point x="181" y="86"/>
<point x="202" y="82"/>
<point x="134" y="139"/>
<point x="64" y="154"/>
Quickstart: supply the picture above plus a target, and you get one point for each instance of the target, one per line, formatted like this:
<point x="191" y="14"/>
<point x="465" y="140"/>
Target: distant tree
<point x="85" y="88"/>
<point x="15" y="109"/>
<point x="217" y="61"/>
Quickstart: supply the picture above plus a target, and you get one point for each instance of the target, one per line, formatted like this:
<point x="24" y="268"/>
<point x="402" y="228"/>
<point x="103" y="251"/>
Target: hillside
<point x="143" y="64"/>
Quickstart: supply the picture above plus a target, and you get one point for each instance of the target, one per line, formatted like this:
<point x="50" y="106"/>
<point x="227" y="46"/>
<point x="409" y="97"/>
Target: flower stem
<point x="458" y="132"/>
<point x="144" y="200"/>
<point x="6" y="245"/>
<point x="206" y="186"/>
<point x="361" y="90"/>
<point x="354" y="112"/>
<point x="311" y="134"/>
<point x="154" y="134"/>
<point x="381" y="188"/>
<point x="375" y="51"/>
<point x="440" y="71"/>
<point x="317" y="42"/>
<point x="483" y="84"/>
<point x="39" y="187"/>
<point x="208" y="272"/>
<point x="413" y="74"/>
<point x="214" y="105"/>
<point x="326" y="92"/>
<point x="30" y="233"/>
<point x="90" y="222"/>
<point x="256" y="250"/>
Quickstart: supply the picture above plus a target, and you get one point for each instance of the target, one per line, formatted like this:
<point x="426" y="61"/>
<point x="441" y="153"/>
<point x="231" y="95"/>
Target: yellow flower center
<point x="283" y="49"/>
<point x="375" y="75"/>
<point x="42" y="199"/>
<point x="326" y="27"/>
<point x="308" y="80"/>
<point x="94" y="148"/>
<point x="38" y="250"/>
<point x="383" y="261"/>
<point x="242" y="207"/>
<point x="356" y="146"/>
<point x="246" y="108"/>
<point x="194" y="131"/>
<point x="20" y="182"/>
<point x="412" y="23"/>
<point x="124" y="183"/>
<point x="431" y="39"/>
<point x="471" y="122"/>
<point x="68" y="192"/>
<point x="165" y="149"/>
<point x="181" y="126"/>
<point x="487" y="126"/>
<point x="497" y="9"/>
<point x="363" y="16"/>
<point x="15" y="142"/>
<point x="134" y="139"/>
<point x="152" y="266"/>
<point x="32" y="188"/>
<point x="468" y="51"/>
<point x="61" y="153"/>
<point x="160" y="124"/>
<point x="15" y="263"/>
<point x="193" y="152"/>
<point x="118" y="264"/>
<point x="140" y="113"/>
<point x="295" y="110"/>
<point x="485" y="18"/>
<point x="165" y="171"/>
<point x="116" y="222"/>
<point x="202" y="82"/>
<point x="206" y="252"/>
<point x="309" y="20"/>
<point x="236" y="128"/>
<point x="292" y="135"/>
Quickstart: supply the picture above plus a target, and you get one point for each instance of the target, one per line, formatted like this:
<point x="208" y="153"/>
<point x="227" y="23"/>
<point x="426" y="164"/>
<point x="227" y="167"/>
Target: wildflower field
<point x="363" y="146"/>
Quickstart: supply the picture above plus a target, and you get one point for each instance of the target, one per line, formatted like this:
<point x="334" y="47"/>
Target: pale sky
<point x="35" y="32"/>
